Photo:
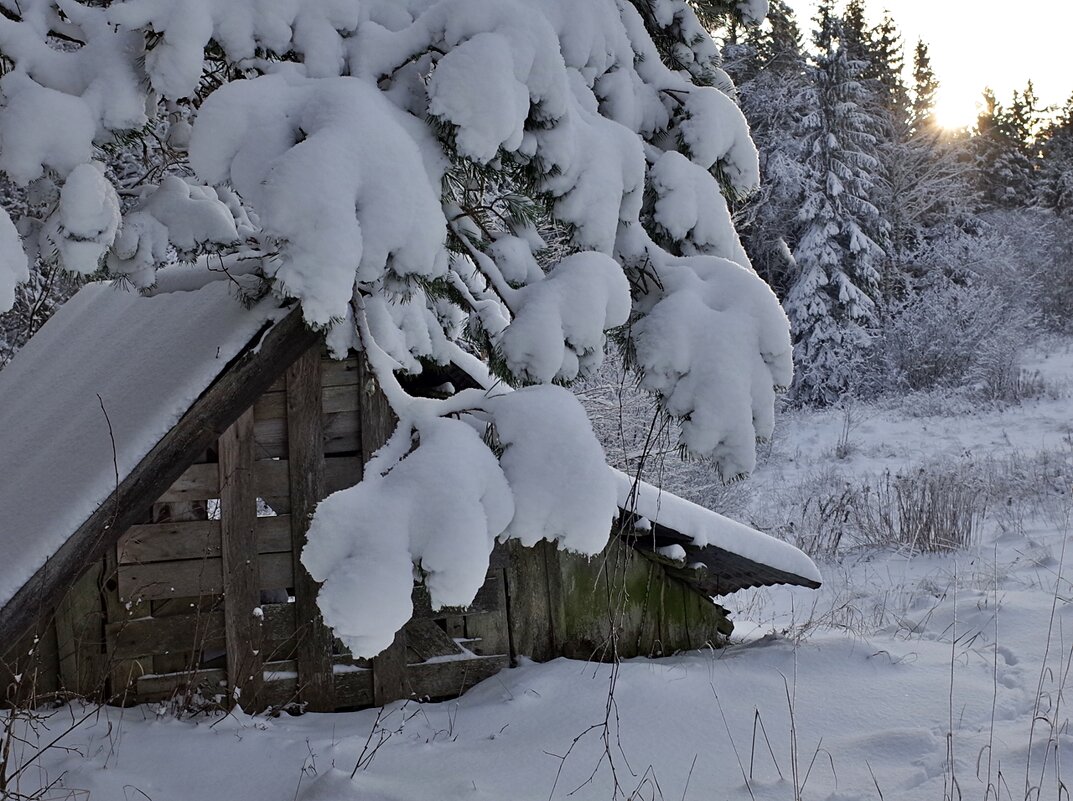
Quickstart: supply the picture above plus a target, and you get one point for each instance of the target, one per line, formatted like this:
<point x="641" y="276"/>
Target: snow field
<point x="905" y="675"/>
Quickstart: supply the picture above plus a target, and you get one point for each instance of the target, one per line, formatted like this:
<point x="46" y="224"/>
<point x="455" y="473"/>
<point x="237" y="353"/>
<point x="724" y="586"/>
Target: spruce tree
<point x="1006" y="155"/>
<point x="832" y="303"/>
<point x="776" y="95"/>
<point x="925" y="89"/>
<point x="1056" y="170"/>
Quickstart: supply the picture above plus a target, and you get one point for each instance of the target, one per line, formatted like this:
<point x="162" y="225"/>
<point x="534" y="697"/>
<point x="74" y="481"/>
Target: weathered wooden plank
<point x="353" y="687"/>
<point x="197" y="482"/>
<point x="488" y="599"/>
<point x="527" y="599"/>
<point x="164" y="542"/>
<point x="500" y="557"/>
<point x="339" y="372"/>
<point x="240" y="565"/>
<point x="334" y="373"/>
<point x="190" y="605"/>
<point x="29" y="667"/>
<point x="154" y="687"/>
<point x="340" y="435"/>
<point x="425" y="640"/>
<point x="451" y="678"/>
<point x="122" y="671"/>
<point x="157" y="580"/>
<point x="377" y="420"/>
<point x="194" y="631"/>
<point x="305" y="437"/>
<point x="273" y="405"/>
<point x="390" y="677"/>
<point x="488" y="633"/>
<point x="271" y="475"/>
<point x="80" y="635"/>
<point x="556" y="598"/>
<point x="239" y="384"/>
<point x="340" y="472"/>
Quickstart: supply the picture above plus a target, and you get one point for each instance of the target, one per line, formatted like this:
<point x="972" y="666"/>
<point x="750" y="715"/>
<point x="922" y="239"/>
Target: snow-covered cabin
<point x="161" y="455"/>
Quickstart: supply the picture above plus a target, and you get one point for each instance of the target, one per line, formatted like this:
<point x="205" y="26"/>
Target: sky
<point x="978" y="43"/>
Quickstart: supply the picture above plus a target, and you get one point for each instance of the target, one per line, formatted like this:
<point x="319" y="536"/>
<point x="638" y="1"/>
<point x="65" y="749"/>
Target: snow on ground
<point x="907" y="677"/>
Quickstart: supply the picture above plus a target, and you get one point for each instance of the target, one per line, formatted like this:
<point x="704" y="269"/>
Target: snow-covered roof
<point x="702" y="528"/>
<point x="110" y="365"/>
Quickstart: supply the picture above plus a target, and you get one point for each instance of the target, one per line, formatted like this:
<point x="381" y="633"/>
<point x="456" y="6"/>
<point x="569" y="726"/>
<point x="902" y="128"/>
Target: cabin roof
<point x="725" y="555"/>
<point x="111" y="366"/>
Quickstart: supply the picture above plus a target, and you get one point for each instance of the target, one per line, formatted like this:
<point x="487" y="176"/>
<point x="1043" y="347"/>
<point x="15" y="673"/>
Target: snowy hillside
<point x="908" y="676"/>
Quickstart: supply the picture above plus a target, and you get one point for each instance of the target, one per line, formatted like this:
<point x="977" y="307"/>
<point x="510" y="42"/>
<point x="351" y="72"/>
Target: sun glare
<point x="956" y="109"/>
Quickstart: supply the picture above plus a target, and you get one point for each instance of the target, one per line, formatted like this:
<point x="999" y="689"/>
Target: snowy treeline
<point x="871" y="218"/>
<point x="492" y="184"/>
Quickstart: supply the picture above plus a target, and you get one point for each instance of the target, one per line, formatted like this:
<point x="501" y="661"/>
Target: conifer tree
<point x="1006" y="156"/>
<point x="776" y="94"/>
<point x="1056" y="171"/>
<point x="925" y="89"/>
<point x="832" y="303"/>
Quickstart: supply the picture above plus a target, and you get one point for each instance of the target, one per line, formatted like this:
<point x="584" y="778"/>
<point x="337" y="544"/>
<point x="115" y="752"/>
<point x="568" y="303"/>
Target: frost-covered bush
<point x="952" y="335"/>
<point x="489" y="183"/>
<point x="1054" y="282"/>
<point x="936" y="507"/>
<point x="642" y="441"/>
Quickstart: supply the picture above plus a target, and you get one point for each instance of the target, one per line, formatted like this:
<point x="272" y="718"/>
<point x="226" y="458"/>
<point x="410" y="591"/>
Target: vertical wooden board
<point x="241" y="569"/>
<point x="527" y="602"/>
<point x="590" y="615"/>
<point x="376" y="422"/>
<point x="556" y="601"/>
<point x="29" y="667"/>
<point x="647" y="634"/>
<point x="305" y="456"/>
<point x="123" y="672"/>
<point x="390" y="680"/>
<point x="80" y="635"/>
<point x="674" y="623"/>
<point x="487" y="631"/>
<point x="188" y="658"/>
<point x="455" y="626"/>
<point x="632" y="599"/>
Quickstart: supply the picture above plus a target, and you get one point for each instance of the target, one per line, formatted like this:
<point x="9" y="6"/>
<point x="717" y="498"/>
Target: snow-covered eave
<point x="704" y="529"/>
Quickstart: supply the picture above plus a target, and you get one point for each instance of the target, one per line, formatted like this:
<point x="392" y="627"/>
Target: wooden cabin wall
<point x="169" y="630"/>
<point x="621" y="603"/>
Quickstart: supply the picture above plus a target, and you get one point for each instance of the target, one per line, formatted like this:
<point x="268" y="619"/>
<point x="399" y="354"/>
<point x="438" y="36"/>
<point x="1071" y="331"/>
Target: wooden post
<point x="377" y="423"/>
<point x="242" y="575"/>
<point x="529" y="605"/>
<point x="305" y="455"/>
<point x="80" y="635"/>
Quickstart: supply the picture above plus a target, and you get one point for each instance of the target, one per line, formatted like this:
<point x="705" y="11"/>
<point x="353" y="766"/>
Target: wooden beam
<point x="241" y="569"/>
<point x="305" y="454"/>
<point x="264" y="359"/>
<point x="196" y="539"/>
<point x="195" y="577"/>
